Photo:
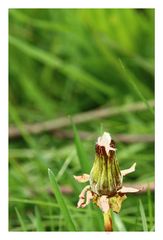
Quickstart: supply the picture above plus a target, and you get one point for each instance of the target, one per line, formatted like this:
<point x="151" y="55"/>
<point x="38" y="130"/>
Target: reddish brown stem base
<point x="108" y="222"/>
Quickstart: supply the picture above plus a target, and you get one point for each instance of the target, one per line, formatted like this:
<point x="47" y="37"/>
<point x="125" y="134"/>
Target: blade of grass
<point x="38" y="202"/>
<point x="41" y="203"/>
<point x="83" y="159"/>
<point x="152" y="229"/>
<point x="101" y="129"/>
<point x="97" y="216"/>
<point x="31" y="227"/>
<point x="150" y="207"/>
<point x="74" y="72"/>
<point x="38" y="221"/>
<point x="65" y="165"/>
<point x="15" y="117"/>
<point x="136" y="218"/>
<point x="118" y="222"/>
<point x="50" y="211"/>
<point x="143" y="216"/>
<point x="28" y="138"/>
<point x="36" y="95"/>
<point x="76" y="187"/>
<point x="21" y="221"/>
<point x="60" y="222"/>
<point x="135" y="88"/>
<point x="42" y="24"/>
<point x="61" y="202"/>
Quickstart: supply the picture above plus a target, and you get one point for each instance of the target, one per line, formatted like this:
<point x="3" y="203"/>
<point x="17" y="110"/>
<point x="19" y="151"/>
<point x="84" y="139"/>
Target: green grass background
<point x="68" y="61"/>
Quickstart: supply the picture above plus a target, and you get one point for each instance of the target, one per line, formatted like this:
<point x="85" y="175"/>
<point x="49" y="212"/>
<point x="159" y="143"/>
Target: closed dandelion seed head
<point x="105" y="176"/>
<point x="106" y="188"/>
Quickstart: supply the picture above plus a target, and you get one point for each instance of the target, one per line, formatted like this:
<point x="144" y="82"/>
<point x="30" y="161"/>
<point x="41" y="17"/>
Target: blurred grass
<point x="143" y="216"/>
<point x="21" y="221"/>
<point x="83" y="158"/>
<point x="61" y="202"/>
<point x="67" y="61"/>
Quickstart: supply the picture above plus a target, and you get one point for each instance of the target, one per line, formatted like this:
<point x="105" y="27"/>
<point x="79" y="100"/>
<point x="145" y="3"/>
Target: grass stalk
<point x="61" y="202"/>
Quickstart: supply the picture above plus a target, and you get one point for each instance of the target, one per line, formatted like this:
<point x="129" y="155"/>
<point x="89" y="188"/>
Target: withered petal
<point x="129" y="170"/>
<point x="83" y="192"/>
<point x="103" y="203"/>
<point x="104" y="141"/>
<point x="116" y="202"/>
<point x="89" y="197"/>
<point x="81" y="202"/>
<point x="83" y="178"/>
<point x="128" y="190"/>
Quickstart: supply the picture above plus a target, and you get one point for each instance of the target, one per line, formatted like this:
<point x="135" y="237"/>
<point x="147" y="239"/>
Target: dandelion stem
<point x="108" y="221"/>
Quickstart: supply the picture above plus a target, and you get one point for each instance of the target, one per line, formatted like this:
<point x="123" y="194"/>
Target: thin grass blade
<point x="136" y="89"/>
<point x="38" y="220"/>
<point x="21" y="221"/>
<point x="143" y="216"/>
<point x="150" y="207"/>
<point x="119" y="223"/>
<point x="61" y="202"/>
<point x="83" y="159"/>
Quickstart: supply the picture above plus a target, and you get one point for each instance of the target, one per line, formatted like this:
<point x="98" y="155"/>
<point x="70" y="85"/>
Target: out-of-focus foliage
<point x="67" y="61"/>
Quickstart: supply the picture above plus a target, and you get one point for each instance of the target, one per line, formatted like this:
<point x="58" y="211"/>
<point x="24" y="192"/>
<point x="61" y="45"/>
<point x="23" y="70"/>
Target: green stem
<point x="108" y="221"/>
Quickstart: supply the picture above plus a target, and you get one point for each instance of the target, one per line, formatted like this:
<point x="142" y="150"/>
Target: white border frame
<point x="4" y="6"/>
